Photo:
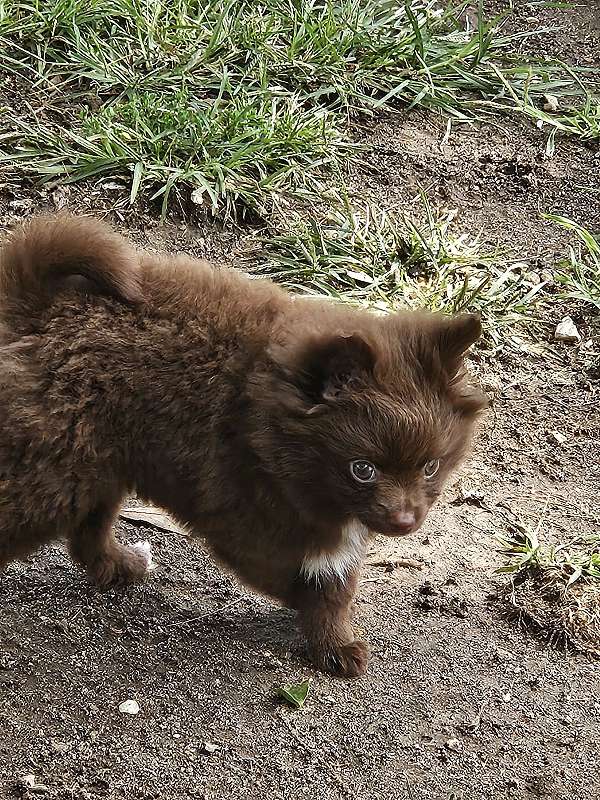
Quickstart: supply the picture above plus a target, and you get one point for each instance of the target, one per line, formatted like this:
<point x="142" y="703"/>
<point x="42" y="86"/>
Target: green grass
<point x="346" y="52"/>
<point x="570" y="562"/>
<point x="235" y="152"/>
<point x="554" y="589"/>
<point x="241" y="101"/>
<point x="579" y="274"/>
<point x="366" y="255"/>
<point x="577" y="113"/>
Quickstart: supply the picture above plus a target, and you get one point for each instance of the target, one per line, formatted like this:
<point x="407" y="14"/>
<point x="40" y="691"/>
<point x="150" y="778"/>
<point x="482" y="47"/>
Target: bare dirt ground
<point x="459" y="701"/>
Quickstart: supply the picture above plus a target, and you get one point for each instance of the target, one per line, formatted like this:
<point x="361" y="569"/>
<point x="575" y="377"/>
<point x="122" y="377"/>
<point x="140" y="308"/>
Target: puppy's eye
<point x="363" y="471"/>
<point x="431" y="467"/>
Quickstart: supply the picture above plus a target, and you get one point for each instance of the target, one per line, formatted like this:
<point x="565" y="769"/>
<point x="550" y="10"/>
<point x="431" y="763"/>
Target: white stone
<point x="551" y="103"/>
<point x="129" y="707"/>
<point x="145" y="549"/>
<point x="566" y="331"/>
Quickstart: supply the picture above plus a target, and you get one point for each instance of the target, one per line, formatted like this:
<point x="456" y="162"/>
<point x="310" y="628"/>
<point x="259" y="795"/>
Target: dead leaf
<point x="148" y="515"/>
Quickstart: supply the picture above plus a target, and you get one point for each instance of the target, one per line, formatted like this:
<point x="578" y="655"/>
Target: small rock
<point x="199" y="197"/>
<point x="551" y="103"/>
<point x="455" y="745"/>
<point x="209" y="748"/>
<point x="30" y="784"/>
<point x="566" y="331"/>
<point x="271" y="661"/>
<point x="547" y="276"/>
<point x="129" y="707"/>
<point x="558" y="437"/>
<point x="59" y="747"/>
<point x="533" y="278"/>
<point x="491" y="384"/>
<point x="507" y="697"/>
<point x="60" y="197"/>
<point x="520" y="266"/>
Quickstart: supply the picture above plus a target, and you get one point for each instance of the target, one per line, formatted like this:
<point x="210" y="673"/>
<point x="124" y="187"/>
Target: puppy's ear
<point x="454" y="336"/>
<point x="335" y="364"/>
<point x="324" y="367"/>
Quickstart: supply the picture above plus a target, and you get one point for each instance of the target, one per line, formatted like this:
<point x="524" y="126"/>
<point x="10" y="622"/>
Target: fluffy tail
<point x="40" y="258"/>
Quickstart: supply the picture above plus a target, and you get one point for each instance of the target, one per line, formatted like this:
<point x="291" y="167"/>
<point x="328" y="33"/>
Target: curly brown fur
<point x="247" y="413"/>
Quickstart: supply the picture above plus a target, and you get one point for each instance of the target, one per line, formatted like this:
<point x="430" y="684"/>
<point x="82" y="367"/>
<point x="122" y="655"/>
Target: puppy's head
<point x="367" y="421"/>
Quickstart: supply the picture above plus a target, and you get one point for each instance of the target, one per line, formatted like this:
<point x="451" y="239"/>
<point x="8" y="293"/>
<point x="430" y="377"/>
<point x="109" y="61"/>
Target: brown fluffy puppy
<point x="282" y="430"/>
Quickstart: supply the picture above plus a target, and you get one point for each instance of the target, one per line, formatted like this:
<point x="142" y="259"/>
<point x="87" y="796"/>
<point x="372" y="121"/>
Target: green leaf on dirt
<point x="295" y="694"/>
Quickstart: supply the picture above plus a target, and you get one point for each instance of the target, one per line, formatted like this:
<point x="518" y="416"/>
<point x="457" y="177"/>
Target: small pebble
<point x="566" y="331"/>
<point x="129" y="707"/>
<point x="551" y="103"/>
<point x="558" y="437"/>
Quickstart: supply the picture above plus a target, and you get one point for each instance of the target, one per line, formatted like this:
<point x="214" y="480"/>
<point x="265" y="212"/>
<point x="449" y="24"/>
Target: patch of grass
<point x="575" y="114"/>
<point x="351" y="53"/>
<point x="576" y="560"/>
<point x="580" y="272"/>
<point x="169" y="81"/>
<point x="235" y="151"/>
<point x="366" y="255"/>
<point x="555" y="589"/>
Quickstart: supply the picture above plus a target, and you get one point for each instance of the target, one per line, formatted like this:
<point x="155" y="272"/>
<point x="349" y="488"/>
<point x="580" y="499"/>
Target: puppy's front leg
<point x="324" y="614"/>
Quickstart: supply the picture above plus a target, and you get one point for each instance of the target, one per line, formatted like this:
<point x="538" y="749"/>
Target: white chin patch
<point x="339" y="563"/>
<point x="144" y="548"/>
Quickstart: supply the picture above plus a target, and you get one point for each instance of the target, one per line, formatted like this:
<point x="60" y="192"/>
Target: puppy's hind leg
<point x="94" y="546"/>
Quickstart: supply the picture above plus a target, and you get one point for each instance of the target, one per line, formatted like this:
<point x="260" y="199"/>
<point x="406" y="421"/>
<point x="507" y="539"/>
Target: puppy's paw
<point x="354" y="658"/>
<point x="346" y="661"/>
<point x="123" y="565"/>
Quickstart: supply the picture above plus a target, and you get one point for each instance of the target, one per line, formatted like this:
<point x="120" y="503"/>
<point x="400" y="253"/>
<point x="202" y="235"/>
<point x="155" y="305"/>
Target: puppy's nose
<point x="404" y="520"/>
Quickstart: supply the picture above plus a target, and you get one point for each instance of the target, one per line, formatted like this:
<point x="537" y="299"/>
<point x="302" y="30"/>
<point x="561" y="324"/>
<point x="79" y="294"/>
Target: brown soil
<point x="459" y="702"/>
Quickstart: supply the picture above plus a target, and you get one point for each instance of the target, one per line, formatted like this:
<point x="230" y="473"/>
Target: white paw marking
<point x="144" y="548"/>
<point x="340" y="562"/>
